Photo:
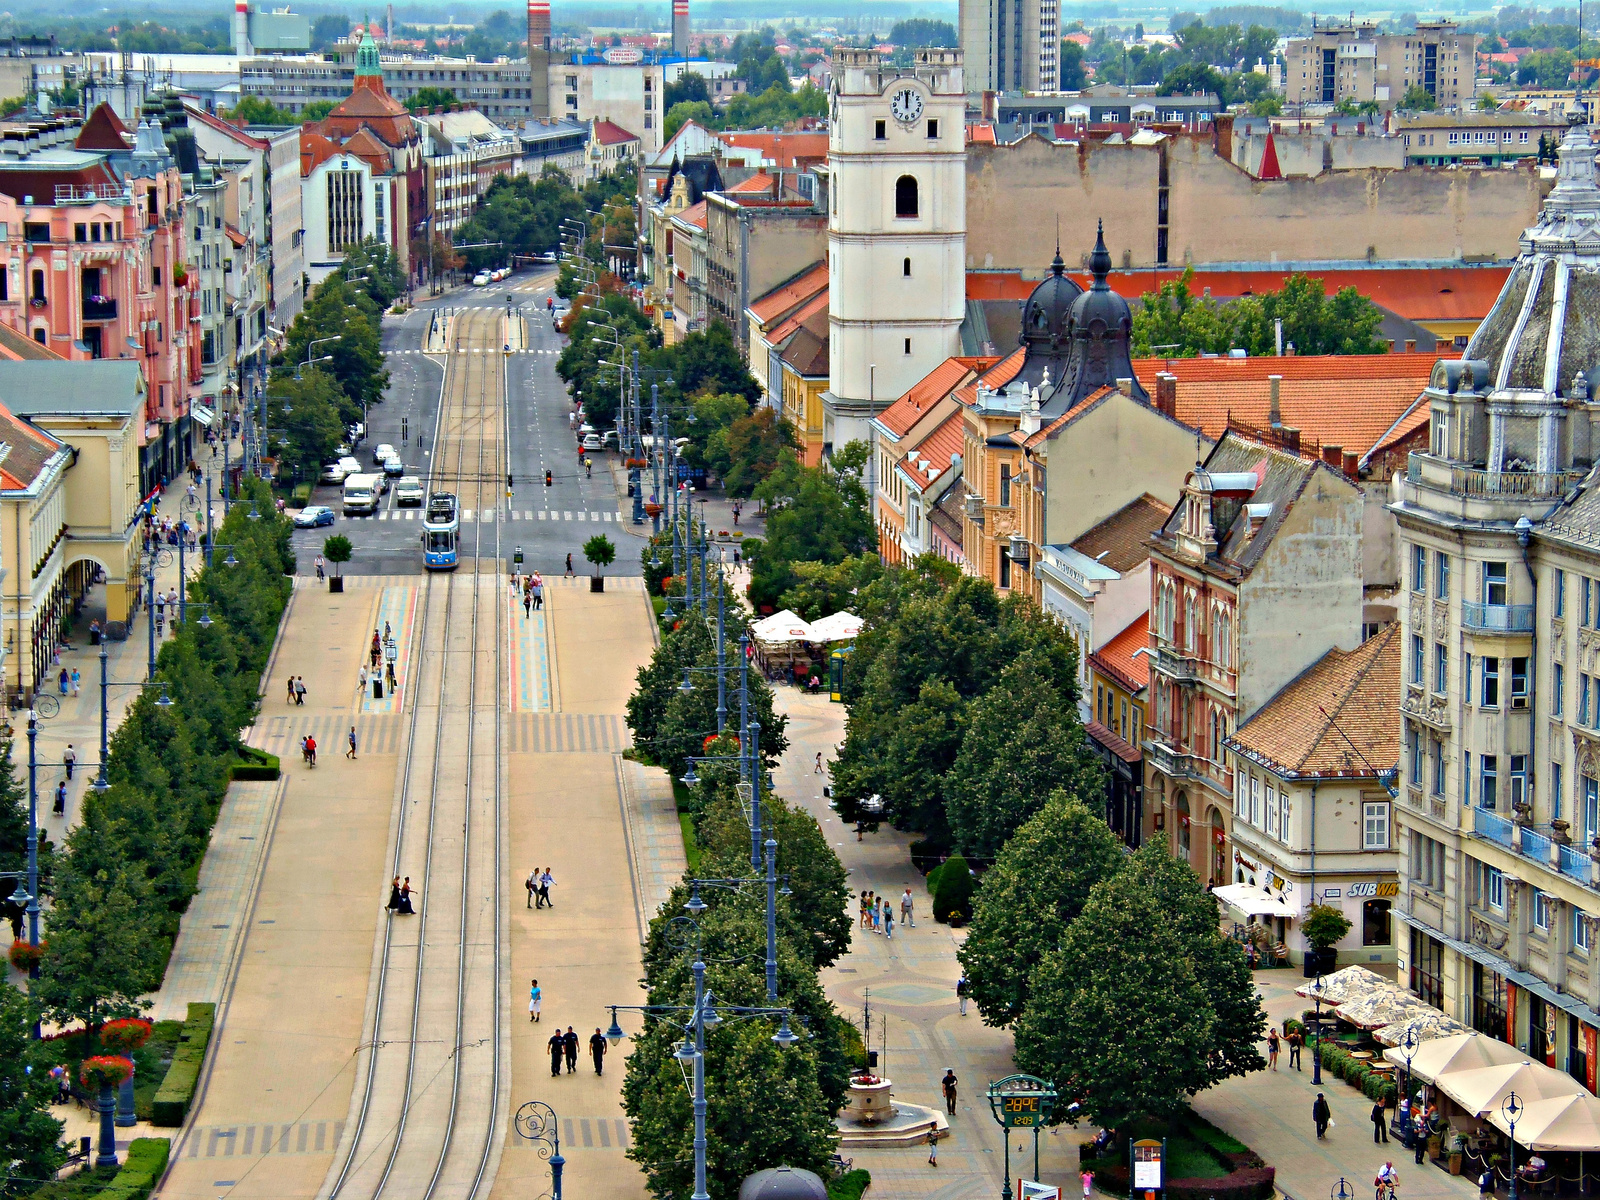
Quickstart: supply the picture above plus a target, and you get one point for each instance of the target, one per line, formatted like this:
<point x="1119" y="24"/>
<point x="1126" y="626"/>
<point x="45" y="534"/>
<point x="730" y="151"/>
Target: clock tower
<point x="897" y="230"/>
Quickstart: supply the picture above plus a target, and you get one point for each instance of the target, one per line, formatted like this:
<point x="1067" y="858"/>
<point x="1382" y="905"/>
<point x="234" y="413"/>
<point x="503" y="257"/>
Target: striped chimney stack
<point x="680" y="27"/>
<point x="538" y="26"/>
<point x="241" y="27"/>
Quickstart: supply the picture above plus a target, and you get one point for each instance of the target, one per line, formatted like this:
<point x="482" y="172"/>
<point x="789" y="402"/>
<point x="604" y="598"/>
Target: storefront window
<point x="1488" y="1002"/>
<point x="1183" y="825"/>
<point x="1219" y="844"/>
<point x="1376" y="926"/>
<point x="1427" y="968"/>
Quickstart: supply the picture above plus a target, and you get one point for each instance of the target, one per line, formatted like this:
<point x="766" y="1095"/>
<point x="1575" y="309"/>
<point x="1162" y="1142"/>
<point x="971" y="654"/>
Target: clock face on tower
<point x="906" y="106"/>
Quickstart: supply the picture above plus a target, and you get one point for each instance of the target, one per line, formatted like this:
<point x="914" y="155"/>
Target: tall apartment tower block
<point x="539" y="56"/>
<point x="1011" y="45"/>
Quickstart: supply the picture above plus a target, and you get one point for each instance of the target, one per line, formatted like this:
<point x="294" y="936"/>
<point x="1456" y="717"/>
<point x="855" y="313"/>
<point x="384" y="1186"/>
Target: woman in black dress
<point x="394" y="895"/>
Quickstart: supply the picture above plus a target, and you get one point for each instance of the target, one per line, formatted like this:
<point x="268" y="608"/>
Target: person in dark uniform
<point x="557" y="1044"/>
<point x="597" y="1051"/>
<point x="571" y="1044"/>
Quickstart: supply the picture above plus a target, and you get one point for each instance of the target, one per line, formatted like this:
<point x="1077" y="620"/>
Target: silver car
<point x="409" y="491"/>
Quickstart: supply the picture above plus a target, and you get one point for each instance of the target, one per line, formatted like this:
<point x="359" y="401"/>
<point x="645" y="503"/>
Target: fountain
<point x="872" y="1117"/>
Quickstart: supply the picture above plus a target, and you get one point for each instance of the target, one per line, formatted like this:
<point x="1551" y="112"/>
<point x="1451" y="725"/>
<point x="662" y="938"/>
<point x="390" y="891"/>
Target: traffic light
<point x="508" y="481"/>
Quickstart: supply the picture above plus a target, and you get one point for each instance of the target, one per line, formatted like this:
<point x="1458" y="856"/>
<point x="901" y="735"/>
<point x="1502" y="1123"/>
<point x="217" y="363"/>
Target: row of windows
<point x="1489" y="892"/>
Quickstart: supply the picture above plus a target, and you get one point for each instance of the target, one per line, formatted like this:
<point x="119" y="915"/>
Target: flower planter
<point x="336" y="583"/>
<point x="24" y="957"/>
<point x="123" y="1036"/>
<point x="597" y="583"/>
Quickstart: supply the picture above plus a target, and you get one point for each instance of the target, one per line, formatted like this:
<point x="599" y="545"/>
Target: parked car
<point x="592" y="442"/>
<point x="333" y="472"/>
<point x="393" y="466"/>
<point x="409" y="491"/>
<point x="481" y="279"/>
<point x="312" y="516"/>
<point x="544" y="258"/>
<point x="383" y="451"/>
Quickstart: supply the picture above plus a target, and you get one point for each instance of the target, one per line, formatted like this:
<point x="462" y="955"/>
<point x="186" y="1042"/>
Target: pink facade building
<point x="91" y="219"/>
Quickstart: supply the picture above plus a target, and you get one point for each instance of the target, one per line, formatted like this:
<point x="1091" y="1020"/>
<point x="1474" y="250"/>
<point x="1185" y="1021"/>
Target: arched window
<point x="1189" y="622"/>
<point x="38" y="286"/>
<point x="1219" y="845"/>
<point x="905" y="196"/>
<point x="1183" y="825"/>
<point x="905" y="268"/>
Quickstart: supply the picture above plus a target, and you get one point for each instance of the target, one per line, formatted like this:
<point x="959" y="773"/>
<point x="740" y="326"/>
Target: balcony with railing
<point x="1492" y="825"/>
<point x="1478" y="482"/>
<point x="1497" y="618"/>
<point x="99" y="308"/>
<point x="1545" y="845"/>
<point x="1173" y="664"/>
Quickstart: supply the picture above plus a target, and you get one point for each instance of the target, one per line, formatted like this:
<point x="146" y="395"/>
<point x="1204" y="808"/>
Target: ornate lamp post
<point x="1512" y="1108"/>
<point x="536" y="1122"/>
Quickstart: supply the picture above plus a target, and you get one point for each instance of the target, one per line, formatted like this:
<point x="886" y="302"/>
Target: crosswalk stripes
<point x="376" y="733"/>
<point x="567" y="733"/>
<point x="490" y="516"/>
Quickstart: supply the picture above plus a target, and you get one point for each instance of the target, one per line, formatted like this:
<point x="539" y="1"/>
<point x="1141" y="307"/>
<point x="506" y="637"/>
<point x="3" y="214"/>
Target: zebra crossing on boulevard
<point x="498" y="514"/>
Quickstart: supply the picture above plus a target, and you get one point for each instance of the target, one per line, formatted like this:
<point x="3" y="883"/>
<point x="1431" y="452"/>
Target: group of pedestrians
<point x="539" y="883"/>
<point x="564" y="1047"/>
<point x="297" y="690"/>
<point x="532" y="588"/>
<point x="877" y="912"/>
<point x="400" y="892"/>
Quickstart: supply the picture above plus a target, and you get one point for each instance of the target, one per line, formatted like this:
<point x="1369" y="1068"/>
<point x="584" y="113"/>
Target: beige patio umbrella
<point x="1427" y="1023"/>
<point x="1346" y="984"/>
<point x="1461" y="1052"/>
<point x="1559" y="1123"/>
<point x="1378" y="1009"/>
<point x="1481" y="1089"/>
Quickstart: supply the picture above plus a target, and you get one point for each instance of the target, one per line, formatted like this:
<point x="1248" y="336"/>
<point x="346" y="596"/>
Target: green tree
<point x="952" y="890"/>
<point x="687" y="87"/>
<point x="1027" y="901"/>
<point x="1420" y="99"/>
<point x="253" y="110"/>
<point x="918" y="32"/>
<point x="327" y="29"/>
<point x="336" y="309"/>
<point x="13" y="812"/>
<point x="1116" y="1016"/>
<point x="1325" y="926"/>
<point x="337" y="550"/>
<point x="372" y="267"/>
<point x="755" y="443"/>
<point x="308" y="410"/>
<point x="432" y="97"/>
<point x="1070" y="68"/>
<point x="684" y="111"/>
<point x="316" y="110"/>
<point x="1023" y="739"/>
<point x="815" y="514"/>
<point x="599" y="551"/>
<point x="30" y="1138"/>
<point x="821" y="589"/>
<point x="103" y="953"/>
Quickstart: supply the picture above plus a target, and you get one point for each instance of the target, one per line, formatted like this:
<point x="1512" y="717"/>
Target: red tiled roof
<point x="103" y="130"/>
<point x="1122" y="541"/>
<point x="980" y="132"/>
<point x="1347" y="400"/>
<point x="935" y="449"/>
<point x="694" y="215"/>
<point x="928" y="391"/>
<point x="1111" y="741"/>
<point x="786" y="295"/>
<point x="1340" y="716"/>
<point x="817" y="303"/>
<point x="998" y="375"/>
<point x="1418" y="294"/>
<point x="609" y="133"/>
<point x="781" y="149"/>
<point x="1117" y="659"/>
<point x="18" y="346"/>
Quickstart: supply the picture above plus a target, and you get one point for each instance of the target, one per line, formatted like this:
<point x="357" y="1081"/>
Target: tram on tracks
<point x="441" y="531"/>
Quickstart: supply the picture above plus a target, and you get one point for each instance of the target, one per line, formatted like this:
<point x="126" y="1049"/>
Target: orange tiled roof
<point x="1348" y="400"/>
<point x="1122" y="540"/>
<point x="31" y="449"/>
<point x="609" y="133"/>
<point x="817" y="303"/>
<point x="1112" y="741"/>
<point x="786" y="295"/>
<point x="1344" y="697"/>
<point x="928" y="391"/>
<point x="1116" y="656"/>
<point x="999" y="285"/>
<point x="18" y="346"/>
<point x="998" y="375"/>
<point x="980" y="131"/>
<point x="782" y="149"/>
<point x="694" y="215"/>
<point x="935" y="450"/>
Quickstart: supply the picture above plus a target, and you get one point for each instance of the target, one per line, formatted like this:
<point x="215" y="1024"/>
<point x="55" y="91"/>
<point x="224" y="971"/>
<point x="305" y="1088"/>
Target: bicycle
<point x="1384" y="1190"/>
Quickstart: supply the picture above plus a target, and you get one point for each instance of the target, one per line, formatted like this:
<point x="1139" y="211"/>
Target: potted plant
<point x="601" y="553"/>
<point x="102" y="1074"/>
<point x="25" y="957"/>
<point x="336" y="550"/>
<point x="1324" y="927"/>
<point x="1458" y="1147"/>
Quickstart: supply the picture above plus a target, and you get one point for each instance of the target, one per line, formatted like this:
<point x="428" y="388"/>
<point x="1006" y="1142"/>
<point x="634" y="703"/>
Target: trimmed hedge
<point x="850" y="1185"/>
<point x="256" y="765"/>
<point x="176" y="1092"/>
<point x="952" y="894"/>
<point x="1374" y="1085"/>
<point x="141" y="1170"/>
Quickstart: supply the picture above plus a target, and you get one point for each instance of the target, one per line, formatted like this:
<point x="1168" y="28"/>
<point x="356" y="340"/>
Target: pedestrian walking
<point x="861" y="922"/>
<point x="558" y="1047"/>
<point x="546" y="882"/>
<point x="1322" y="1115"/>
<point x="1272" y="1049"/>
<point x="394" y="895"/>
<point x="320" y="573"/>
<point x="65" y="682"/>
<point x="1380" y="1124"/>
<point x="569" y="565"/>
<point x="69" y="759"/>
<point x="597" y="1051"/>
<point x="351" y="753"/>
<point x="907" y="916"/>
<point x="877" y="914"/>
<point x="388" y="670"/>
<point x="933" y="1147"/>
<point x="532" y="884"/>
<point x="1087" y="1179"/>
<point x="538" y="590"/>
<point x="888" y="923"/>
<point x="1297" y="1041"/>
<point x="61" y="799"/>
<point x="405" y="898"/>
<point x="817" y="770"/>
<point x="962" y="988"/>
<point x="948" y="1086"/>
<point x="570" y="1043"/>
<point x="300" y="690"/>
<point x="77" y="681"/>
<point x="535" y="1000"/>
<point x="527" y="604"/>
<point x="361" y="676"/>
<point x="290" y="685"/>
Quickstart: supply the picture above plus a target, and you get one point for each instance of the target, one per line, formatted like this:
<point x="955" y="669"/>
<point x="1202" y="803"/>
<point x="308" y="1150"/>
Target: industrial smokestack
<point x="388" y="32"/>
<point x="241" y="27"/>
<point x="539" y="56"/>
<point x="680" y="28"/>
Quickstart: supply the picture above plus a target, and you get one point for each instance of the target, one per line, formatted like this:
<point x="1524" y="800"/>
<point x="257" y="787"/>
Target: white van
<point x="361" y="493"/>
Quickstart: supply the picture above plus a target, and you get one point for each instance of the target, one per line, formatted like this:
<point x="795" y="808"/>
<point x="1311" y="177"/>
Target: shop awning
<point x="203" y="414"/>
<point x="1254" y="902"/>
<point x="836" y="627"/>
<point x="1380" y="1009"/>
<point x="1562" y="1123"/>
<point x="1480" y="1091"/>
<point x="1428" y="1024"/>
<point x="1482" y="954"/>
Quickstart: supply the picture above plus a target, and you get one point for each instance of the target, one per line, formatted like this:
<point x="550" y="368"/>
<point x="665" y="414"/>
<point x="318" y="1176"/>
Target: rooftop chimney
<point x="1333" y="456"/>
<point x="1125" y="386"/>
<point x="1411" y="345"/>
<point x="241" y="28"/>
<point x="680" y="28"/>
<point x="1274" y="415"/>
<point x="1166" y="400"/>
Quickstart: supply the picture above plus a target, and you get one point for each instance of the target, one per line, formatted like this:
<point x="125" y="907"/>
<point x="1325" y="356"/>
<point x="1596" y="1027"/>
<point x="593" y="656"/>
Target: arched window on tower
<point x="905" y="196"/>
<point x="905" y="268"/>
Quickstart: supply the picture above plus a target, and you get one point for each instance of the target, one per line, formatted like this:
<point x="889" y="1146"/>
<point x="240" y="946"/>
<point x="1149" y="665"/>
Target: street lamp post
<point x="1409" y="1044"/>
<point x="1316" y="1046"/>
<point x="1342" y="1190"/>
<point x="1512" y="1108"/>
<point x="702" y="1015"/>
<point x="157" y="558"/>
<point x="536" y="1122"/>
<point x="101" y="783"/>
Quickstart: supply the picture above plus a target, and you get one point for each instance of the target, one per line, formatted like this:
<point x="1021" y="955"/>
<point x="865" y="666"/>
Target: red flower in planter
<point x="105" y="1070"/>
<point x="25" y="957"/>
<point x="126" y="1035"/>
